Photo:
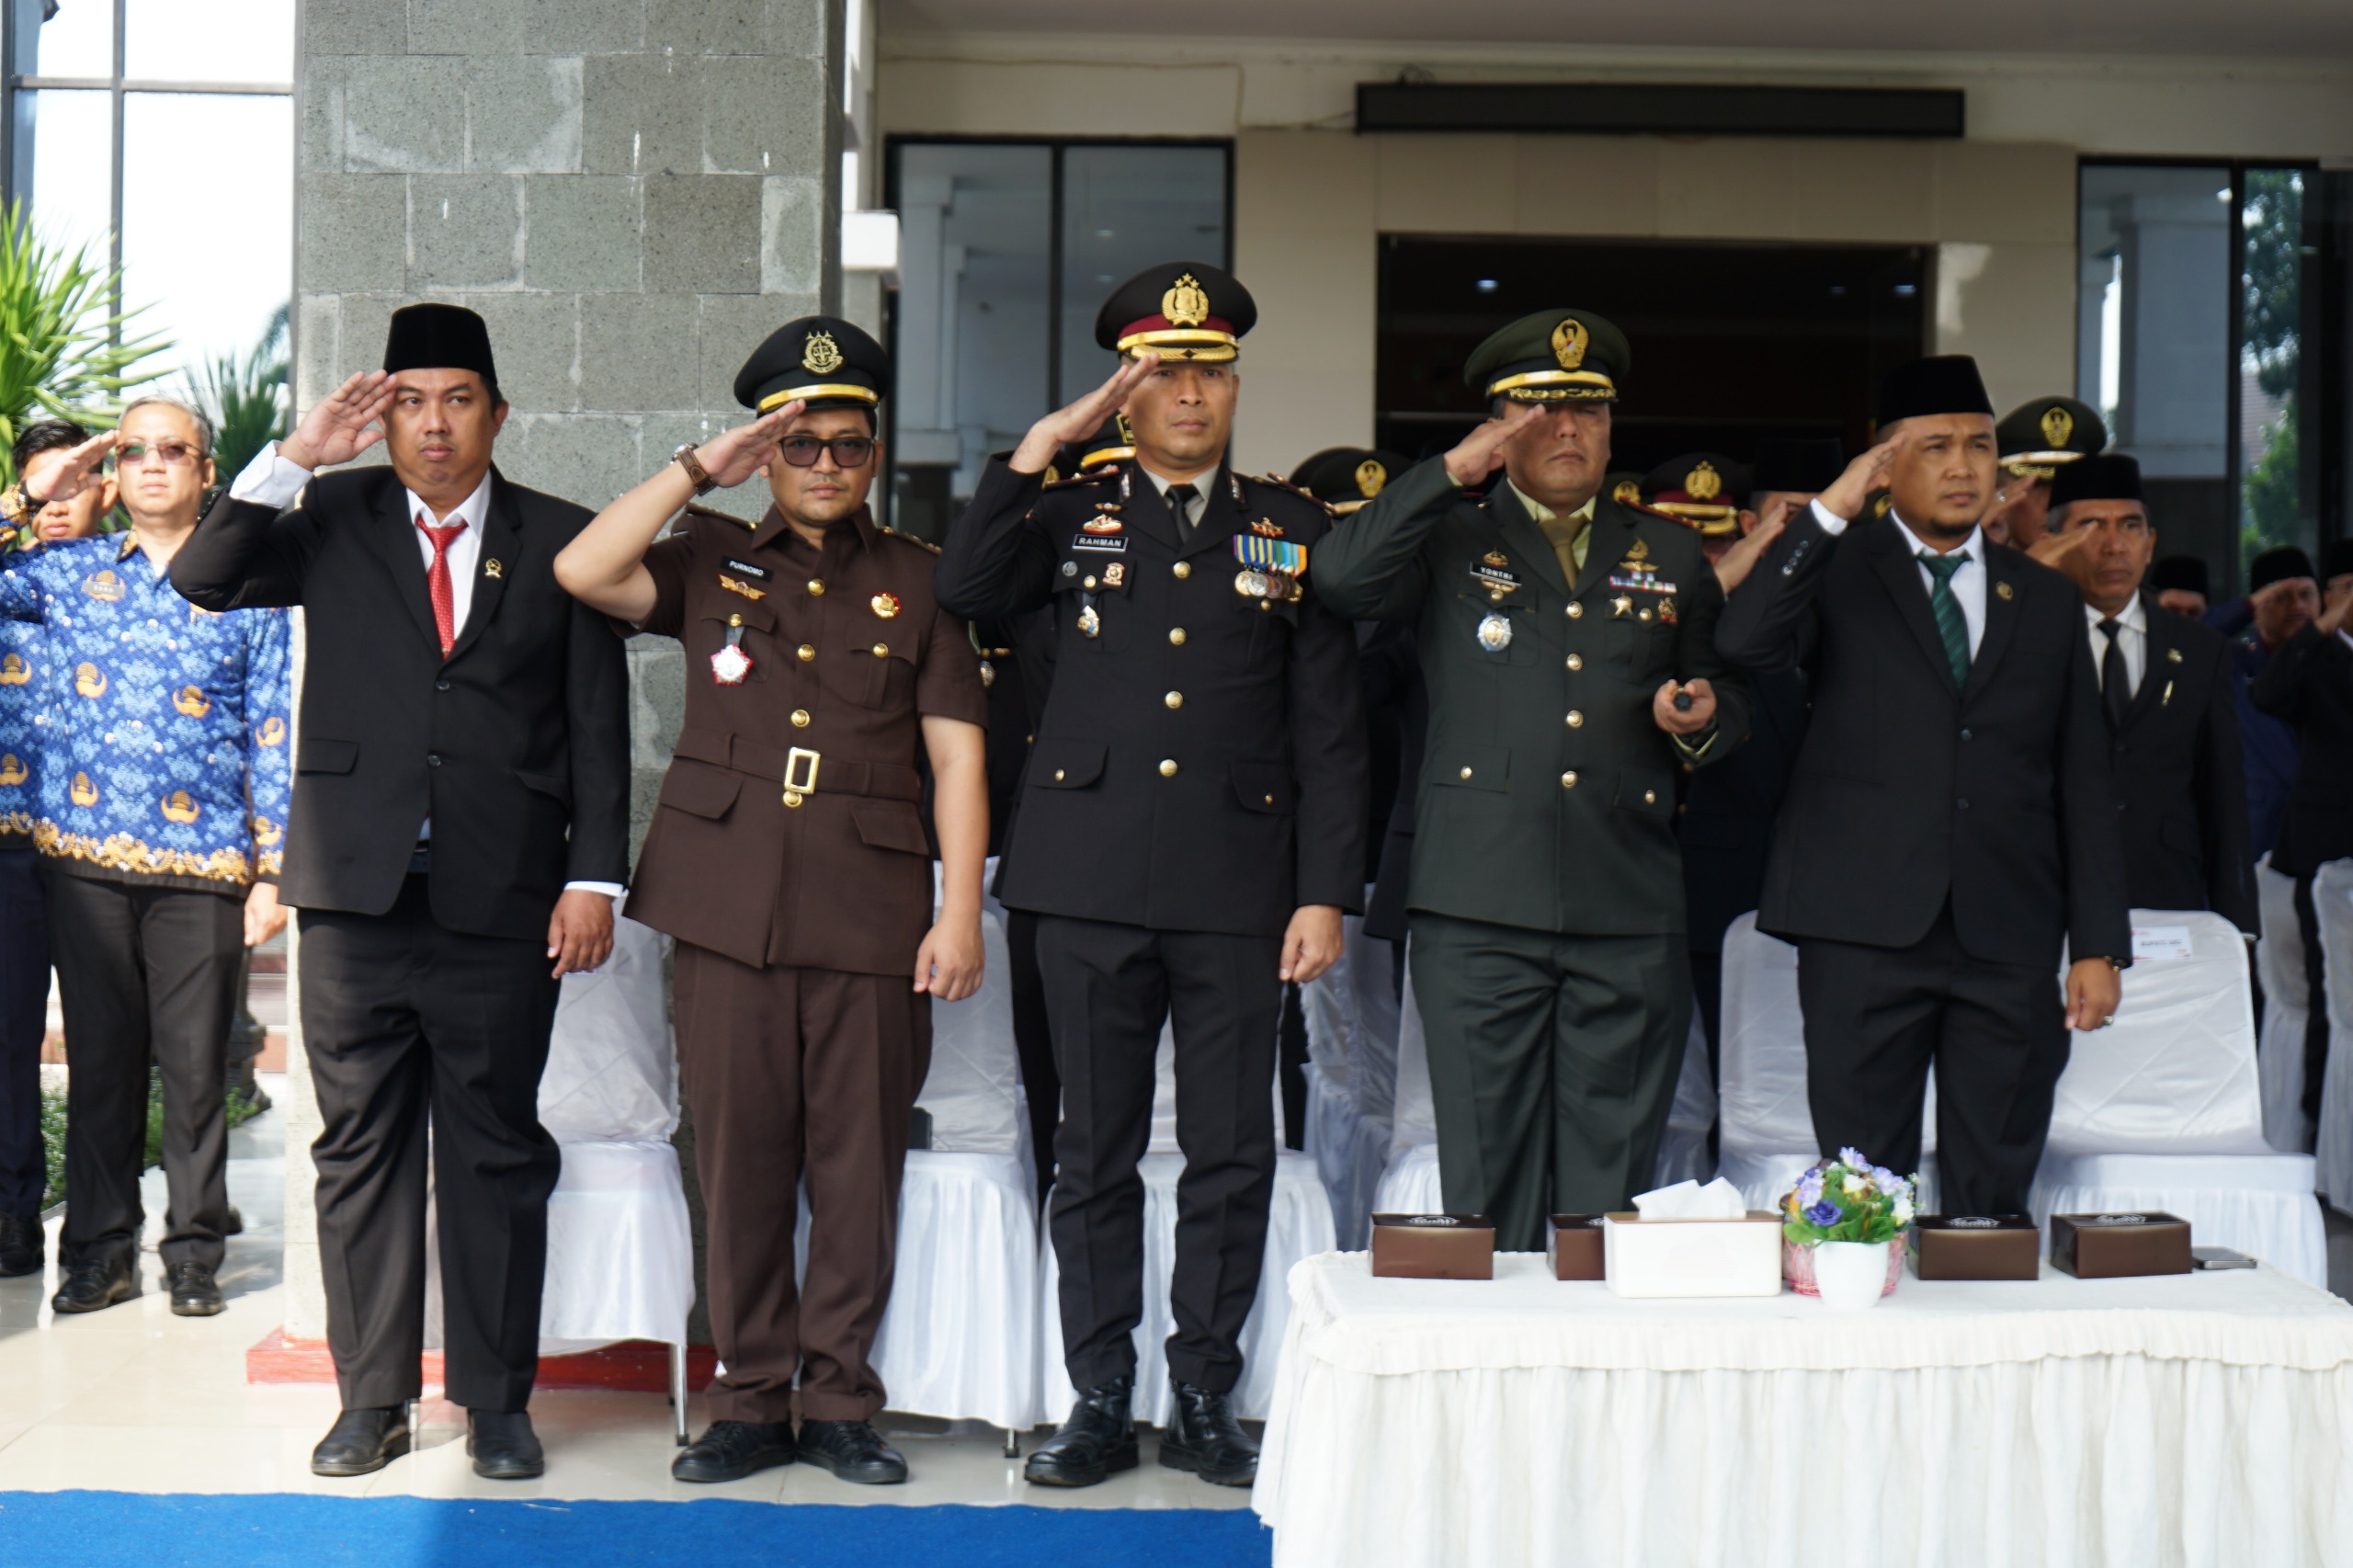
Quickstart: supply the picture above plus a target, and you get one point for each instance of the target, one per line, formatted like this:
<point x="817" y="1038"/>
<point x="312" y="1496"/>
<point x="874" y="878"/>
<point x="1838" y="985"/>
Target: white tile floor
<point x="134" y="1399"/>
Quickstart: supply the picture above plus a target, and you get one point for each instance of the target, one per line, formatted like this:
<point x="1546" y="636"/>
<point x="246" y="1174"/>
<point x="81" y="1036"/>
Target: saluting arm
<point x="2279" y="689"/>
<point x="1769" y="620"/>
<point x="2220" y="785"/>
<point x="1370" y="567"/>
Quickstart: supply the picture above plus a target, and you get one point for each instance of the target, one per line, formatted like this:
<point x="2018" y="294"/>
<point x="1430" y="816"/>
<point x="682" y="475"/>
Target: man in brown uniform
<point x="788" y="856"/>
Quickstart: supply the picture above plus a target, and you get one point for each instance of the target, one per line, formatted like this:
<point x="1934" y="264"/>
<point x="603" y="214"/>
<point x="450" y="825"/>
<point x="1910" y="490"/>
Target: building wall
<point x="1311" y="198"/>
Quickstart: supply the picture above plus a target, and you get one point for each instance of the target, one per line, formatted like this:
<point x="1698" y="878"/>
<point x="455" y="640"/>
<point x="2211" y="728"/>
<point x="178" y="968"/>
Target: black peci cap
<point x="2110" y="476"/>
<point x="2185" y="572"/>
<point x="2336" y="560"/>
<point x="1345" y="478"/>
<point x="823" y="361"/>
<point x="1799" y="467"/>
<point x="1943" y="383"/>
<point x="1179" y="309"/>
<point x="1552" y="357"/>
<point x="1707" y="490"/>
<point x="2278" y="567"/>
<point x="2039" y="437"/>
<point x="439" y="337"/>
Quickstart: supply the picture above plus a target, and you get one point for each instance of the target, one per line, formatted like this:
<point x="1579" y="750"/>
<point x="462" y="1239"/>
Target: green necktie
<point x="1951" y="625"/>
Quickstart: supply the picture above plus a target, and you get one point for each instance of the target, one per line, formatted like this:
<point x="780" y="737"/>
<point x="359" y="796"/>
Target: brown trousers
<point x="798" y="1075"/>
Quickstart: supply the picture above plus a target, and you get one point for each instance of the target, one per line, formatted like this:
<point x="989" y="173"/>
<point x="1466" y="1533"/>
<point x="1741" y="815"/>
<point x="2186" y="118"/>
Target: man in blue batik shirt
<point x="162" y="732"/>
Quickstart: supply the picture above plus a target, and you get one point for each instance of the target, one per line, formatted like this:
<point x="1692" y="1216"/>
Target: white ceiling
<point x="2285" y="28"/>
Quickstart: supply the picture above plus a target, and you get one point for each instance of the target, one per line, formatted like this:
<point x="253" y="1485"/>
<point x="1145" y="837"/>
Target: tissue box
<point x="1692" y="1257"/>
<point x="2119" y="1245"/>
<point x="1433" y="1246"/>
<point x="1976" y="1246"/>
<point x="1575" y="1247"/>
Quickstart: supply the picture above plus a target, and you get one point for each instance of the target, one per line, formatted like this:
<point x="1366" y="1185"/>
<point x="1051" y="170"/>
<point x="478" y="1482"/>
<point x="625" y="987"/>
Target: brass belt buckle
<point x="799" y="775"/>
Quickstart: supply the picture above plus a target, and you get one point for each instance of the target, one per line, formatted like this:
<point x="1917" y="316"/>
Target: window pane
<point x="2274" y="501"/>
<point x="1125" y="207"/>
<point x="210" y="40"/>
<point x="974" y="269"/>
<point x="208" y="298"/>
<point x="77" y="41"/>
<point x="72" y="158"/>
<point x="2153" y="335"/>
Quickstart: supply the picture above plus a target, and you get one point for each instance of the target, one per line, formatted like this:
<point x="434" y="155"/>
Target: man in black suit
<point x="2169" y="695"/>
<point x="1950" y="822"/>
<point x="2309" y="684"/>
<point x="459" y="829"/>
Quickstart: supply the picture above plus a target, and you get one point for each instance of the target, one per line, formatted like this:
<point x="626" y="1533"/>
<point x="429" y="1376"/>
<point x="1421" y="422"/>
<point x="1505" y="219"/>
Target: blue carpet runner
<point x="116" y="1529"/>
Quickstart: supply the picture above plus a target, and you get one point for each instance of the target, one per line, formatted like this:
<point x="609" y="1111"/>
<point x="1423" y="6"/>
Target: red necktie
<point x="437" y="582"/>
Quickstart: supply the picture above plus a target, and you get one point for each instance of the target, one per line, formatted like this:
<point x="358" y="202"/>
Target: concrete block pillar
<point x="632" y="192"/>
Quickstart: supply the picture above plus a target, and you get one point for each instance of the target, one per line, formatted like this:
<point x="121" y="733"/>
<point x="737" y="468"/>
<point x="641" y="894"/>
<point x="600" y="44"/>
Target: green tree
<point x="246" y="398"/>
<point x="2272" y="290"/>
<point x="2273" y="489"/>
<point x="63" y="350"/>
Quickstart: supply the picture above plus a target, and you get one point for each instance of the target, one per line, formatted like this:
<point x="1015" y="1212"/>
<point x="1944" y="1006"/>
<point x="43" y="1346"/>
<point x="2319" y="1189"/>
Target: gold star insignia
<point x="1620" y="605"/>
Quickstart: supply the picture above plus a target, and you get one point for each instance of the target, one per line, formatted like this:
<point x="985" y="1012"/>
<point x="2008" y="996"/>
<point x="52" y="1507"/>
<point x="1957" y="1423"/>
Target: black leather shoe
<point x="729" y="1450"/>
<point x="1096" y="1443"/>
<point x="24" y="1247"/>
<point x="1204" y="1437"/>
<point x="94" y="1285"/>
<point x="195" y="1293"/>
<point x="853" y="1450"/>
<point x="362" y="1441"/>
<point x="503" y="1446"/>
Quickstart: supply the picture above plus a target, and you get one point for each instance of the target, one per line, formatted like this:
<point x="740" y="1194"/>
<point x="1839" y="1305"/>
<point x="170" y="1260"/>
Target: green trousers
<point x="1554" y="1062"/>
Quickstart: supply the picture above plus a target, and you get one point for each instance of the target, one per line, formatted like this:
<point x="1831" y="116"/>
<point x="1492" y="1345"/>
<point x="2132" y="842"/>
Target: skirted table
<point x="2193" y="1419"/>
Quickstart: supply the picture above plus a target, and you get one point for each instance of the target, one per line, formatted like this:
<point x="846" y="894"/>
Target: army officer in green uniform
<point x="1568" y="643"/>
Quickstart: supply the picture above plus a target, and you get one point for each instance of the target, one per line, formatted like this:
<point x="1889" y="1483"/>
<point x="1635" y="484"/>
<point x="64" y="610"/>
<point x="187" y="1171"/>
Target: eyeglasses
<point x="175" y="454"/>
<point x="849" y="452"/>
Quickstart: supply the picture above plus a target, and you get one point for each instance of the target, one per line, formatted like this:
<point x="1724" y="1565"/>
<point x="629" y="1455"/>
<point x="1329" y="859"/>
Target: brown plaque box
<point x="1976" y="1246"/>
<point x="1433" y="1246"/>
<point x="1575" y="1248"/>
<point x="2120" y="1243"/>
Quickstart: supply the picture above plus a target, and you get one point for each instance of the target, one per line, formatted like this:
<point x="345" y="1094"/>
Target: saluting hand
<point x="2334" y="612"/>
<point x="343" y="426"/>
<point x="1742" y="558"/>
<point x="1866" y="473"/>
<point x="1683" y="720"/>
<point x="73" y="475"/>
<point x="1481" y="453"/>
<point x="741" y="452"/>
<point x="2070" y="553"/>
<point x="1081" y="419"/>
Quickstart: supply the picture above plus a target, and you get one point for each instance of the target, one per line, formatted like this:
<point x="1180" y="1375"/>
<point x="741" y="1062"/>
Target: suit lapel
<point x="1525" y="541"/>
<point x="1892" y="559"/>
<point x="2002" y="570"/>
<point x="1143" y="508"/>
<point x="1607" y="538"/>
<point x="394" y="541"/>
<point x="502" y="541"/>
<point x="1221" y="515"/>
<point x="2158" y="669"/>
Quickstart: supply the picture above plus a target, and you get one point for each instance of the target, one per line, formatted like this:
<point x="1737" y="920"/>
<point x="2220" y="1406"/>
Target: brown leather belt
<point x="805" y="772"/>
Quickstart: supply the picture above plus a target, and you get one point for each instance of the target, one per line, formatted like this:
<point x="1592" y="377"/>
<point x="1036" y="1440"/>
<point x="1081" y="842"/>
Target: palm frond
<point x="60" y="357"/>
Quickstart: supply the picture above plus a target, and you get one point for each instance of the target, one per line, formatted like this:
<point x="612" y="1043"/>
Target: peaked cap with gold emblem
<point x="1552" y="357"/>
<point x="1345" y="478"/>
<point x="824" y="361"/>
<point x="2036" y="437"/>
<point x="1179" y="309"/>
<point x="1707" y="490"/>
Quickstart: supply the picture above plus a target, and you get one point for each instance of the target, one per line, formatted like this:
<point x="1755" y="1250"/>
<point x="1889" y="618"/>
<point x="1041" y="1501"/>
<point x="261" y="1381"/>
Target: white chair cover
<point x="2333" y="902"/>
<point x="2280" y="1053"/>
<point x="972" y="1089"/>
<point x="612" y="1073"/>
<point x="1683" y="1151"/>
<point x="1300" y="1226"/>
<point x="1410" y="1184"/>
<point x="1334" y="1020"/>
<point x="960" y="1340"/>
<point x="2259" y="1204"/>
<point x="1352" y="1035"/>
<point x="1350" y="1151"/>
<point x="1414" y="1119"/>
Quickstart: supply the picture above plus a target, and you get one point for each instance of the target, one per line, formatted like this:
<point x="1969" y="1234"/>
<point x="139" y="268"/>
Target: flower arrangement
<point x="1846" y="1199"/>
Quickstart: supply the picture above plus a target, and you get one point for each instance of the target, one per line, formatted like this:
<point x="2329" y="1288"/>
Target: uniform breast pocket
<point x="1271" y="623"/>
<point x="1498" y="631"/>
<point x="755" y="620"/>
<point x="1641" y="651"/>
<point x="876" y="667"/>
<point x="1091" y="604"/>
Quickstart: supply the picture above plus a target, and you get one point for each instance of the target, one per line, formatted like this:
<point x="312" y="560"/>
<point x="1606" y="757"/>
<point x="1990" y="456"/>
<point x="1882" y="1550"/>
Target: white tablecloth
<point x="2194" y="1420"/>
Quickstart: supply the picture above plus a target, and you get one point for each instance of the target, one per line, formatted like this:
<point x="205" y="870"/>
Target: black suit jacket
<point x="2309" y="683"/>
<point x="2181" y="777"/>
<point x="517" y="746"/>
<point x="1199" y="763"/>
<point x="1725" y="825"/>
<point x="1909" y="795"/>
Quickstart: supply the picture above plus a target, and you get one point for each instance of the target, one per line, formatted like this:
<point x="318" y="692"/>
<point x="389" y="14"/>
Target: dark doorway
<point x="1732" y="341"/>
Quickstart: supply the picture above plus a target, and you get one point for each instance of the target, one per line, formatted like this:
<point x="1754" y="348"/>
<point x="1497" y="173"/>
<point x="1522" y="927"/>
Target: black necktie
<point x="1180" y="501"/>
<point x="2115" y="680"/>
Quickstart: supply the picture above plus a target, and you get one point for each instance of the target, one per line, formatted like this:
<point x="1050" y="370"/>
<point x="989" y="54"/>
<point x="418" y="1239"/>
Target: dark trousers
<point x="1877" y="1018"/>
<point x="2315" y="1000"/>
<point x="798" y="1075"/>
<point x="1708" y="993"/>
<point x="409" y="1024"/>
<point x="1553" y="1065"/>
<point x="1108" y="988"/>
<point x="1033" y="1041"/>
<point x="147" y="978"/>
<point x="24" y="1019"/>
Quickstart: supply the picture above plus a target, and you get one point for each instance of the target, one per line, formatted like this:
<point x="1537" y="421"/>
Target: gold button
<point x="1466" y="773"/>
<point x="800" y="718"/>
<point x="807" y="652"/>
<point x="1650" y="797"/>
<point x="1569" y="779"/>
<point x="817" y="587"/>
<point x="1576" y="661"/>
<point x="1270" y="800"/>
<point x="1168" y="768"/>
<point x="1088" y="583"/>
<point x="1060" y="776"/>
<point x="1264" y="605"/>
<point x="1175" y="699"/>
<point x="1576" y="610"/>
<point x="793" y="797"/>
<point x="735" y="620"/>
<point x="1183" y="569"/>
<point x="882" y="650"/>
<point x="1641" y="615"/>
<point x="1176" y="637"/>
<point x="1577" y="720"/>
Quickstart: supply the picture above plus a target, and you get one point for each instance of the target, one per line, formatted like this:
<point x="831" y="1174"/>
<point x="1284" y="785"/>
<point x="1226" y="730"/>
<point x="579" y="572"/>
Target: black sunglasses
<point x="849" y="452"/>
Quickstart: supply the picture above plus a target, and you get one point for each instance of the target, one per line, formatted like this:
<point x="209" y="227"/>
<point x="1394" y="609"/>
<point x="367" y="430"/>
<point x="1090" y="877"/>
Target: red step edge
<point x="635" y="1366"/>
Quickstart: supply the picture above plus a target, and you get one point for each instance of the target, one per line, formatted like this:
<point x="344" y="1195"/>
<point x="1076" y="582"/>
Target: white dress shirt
<point x="2132" y="633"/>
<point x="1197" y="505"/>
<point x="272" y="481"/>
<point x="1968" y="582"/>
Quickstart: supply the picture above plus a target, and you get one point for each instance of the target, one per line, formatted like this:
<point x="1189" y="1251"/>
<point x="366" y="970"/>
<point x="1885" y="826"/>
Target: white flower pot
<point x="1850" y="1274"/>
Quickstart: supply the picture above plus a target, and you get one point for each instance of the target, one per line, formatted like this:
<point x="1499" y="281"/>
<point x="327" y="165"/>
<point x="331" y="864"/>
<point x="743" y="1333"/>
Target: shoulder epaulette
<point x="918" y="543"/>
<point x="1086" y="476"/>
<point x="1277" y="482"/>
<point x="718" y="517"/>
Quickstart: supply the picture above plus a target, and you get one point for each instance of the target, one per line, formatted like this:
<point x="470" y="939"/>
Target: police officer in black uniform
<point x="1190" y="829"/>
